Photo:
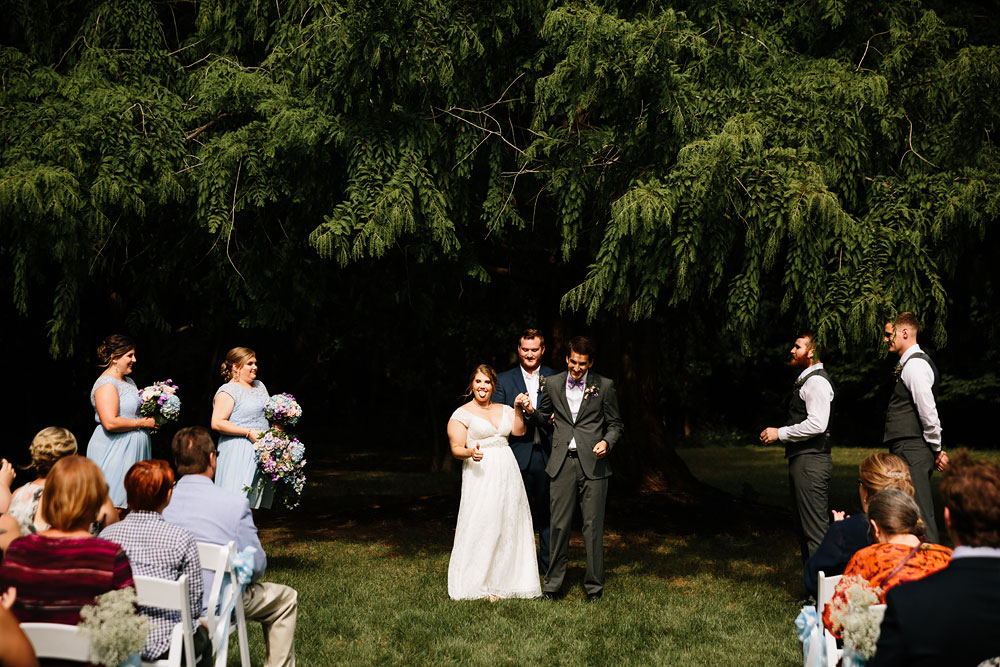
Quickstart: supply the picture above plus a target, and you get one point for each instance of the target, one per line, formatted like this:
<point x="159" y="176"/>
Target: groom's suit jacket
<point x="510" y="383"/>
<point x="598" y="419"/>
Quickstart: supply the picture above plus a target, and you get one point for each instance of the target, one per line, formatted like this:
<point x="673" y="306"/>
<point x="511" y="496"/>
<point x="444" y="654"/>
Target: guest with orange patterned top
<point x="899" y="554"/>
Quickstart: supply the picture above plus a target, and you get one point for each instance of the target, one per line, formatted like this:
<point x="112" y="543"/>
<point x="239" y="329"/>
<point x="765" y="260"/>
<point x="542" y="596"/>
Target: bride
<point x="494" y="551"/>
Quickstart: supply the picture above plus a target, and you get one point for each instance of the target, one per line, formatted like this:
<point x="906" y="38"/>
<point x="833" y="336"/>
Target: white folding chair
<point x="824" y="593"/>
<point x="58" y="641"/>
<point x="218" y="559"/>
<point x="173" y="595"/>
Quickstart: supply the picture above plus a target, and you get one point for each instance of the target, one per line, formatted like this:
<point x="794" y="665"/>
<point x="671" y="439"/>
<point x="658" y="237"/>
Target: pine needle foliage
<point x="832" y="158"/>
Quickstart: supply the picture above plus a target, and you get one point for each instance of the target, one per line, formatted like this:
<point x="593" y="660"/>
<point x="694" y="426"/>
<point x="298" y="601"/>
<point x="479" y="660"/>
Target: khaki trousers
<point x="275" y="606"/>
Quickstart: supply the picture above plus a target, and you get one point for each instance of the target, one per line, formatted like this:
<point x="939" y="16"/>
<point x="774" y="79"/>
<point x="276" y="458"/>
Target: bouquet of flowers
<point x="116" y="631"/>
<point x="854" y="618"/>
<point x="282" y="409"/>
<point x="160" y="401"/>
<point x="281" y="458"/>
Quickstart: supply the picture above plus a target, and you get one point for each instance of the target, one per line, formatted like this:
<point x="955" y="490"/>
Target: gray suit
<point x="583" y="477"/>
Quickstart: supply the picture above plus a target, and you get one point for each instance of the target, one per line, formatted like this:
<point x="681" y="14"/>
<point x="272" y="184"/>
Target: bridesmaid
<point x="118" y="441"/>
<point x="238" y="417"/>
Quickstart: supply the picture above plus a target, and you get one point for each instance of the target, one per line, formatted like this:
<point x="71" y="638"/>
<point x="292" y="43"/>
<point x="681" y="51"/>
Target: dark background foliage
<point x="378" y="197"/>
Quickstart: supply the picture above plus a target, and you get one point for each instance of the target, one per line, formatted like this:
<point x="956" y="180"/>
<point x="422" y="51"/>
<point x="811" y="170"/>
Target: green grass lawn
<point x="368" y="552"/>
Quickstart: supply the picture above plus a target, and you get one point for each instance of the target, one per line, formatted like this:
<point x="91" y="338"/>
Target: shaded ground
<point x="371" y="495"/>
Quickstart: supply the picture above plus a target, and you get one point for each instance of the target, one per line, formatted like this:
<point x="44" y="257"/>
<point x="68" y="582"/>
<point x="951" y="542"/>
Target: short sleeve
<point x="461" y="416"/>
<point x="225" y="389"/>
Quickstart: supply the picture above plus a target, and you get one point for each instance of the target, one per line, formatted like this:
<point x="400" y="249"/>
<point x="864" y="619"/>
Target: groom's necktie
<point x="574" y="384"/>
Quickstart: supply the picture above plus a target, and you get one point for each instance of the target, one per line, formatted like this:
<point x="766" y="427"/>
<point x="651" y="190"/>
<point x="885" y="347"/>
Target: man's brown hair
<point x="908" y="320"/>
<point x="192" y="446"/>
<point x="970" y="489"/>
<point x="530" y="334"/>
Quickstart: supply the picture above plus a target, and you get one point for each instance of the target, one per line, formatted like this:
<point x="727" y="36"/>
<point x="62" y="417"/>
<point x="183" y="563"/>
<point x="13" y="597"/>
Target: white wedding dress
<point x="494" y="551"/>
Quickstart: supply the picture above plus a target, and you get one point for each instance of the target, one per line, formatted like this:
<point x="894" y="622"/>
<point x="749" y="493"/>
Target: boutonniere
<point x="800" y="382"/>
<point x="541" y="381"/>
<point x="591" y="390"/>
<point x="898" y="371"/>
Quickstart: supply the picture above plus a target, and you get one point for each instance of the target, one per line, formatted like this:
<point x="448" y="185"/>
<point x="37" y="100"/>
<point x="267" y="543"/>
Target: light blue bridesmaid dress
<point x="115" y="453"/>
<point x="237" y="467"/>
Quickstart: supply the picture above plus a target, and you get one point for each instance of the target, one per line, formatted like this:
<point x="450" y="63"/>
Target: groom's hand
<point x="601" y="449"/>
<point x="525" y="402"/>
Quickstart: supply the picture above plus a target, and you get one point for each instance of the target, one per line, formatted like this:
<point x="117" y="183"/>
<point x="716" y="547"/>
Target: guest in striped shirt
<point x="159" y="549"/>
<point x="60" y="570"/>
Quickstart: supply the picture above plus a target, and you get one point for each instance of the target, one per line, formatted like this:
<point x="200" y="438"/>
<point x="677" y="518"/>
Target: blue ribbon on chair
<point x="242" y="565"/>
<point x="808" y="630"/>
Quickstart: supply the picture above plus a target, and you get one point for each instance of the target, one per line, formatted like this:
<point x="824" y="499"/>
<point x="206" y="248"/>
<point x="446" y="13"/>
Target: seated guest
<point x="7" y="476"/>
<point x="48" y="446"/>
<point x="60" y="570"/>
<point x="218" y="516"/>
<point x="898" y="555"/>
<point x="159" y="549"/>
<point x="15" y="649"/>
<point x="846" y="536"/>
<point x="952" y="617"/>
<point x="9" y="531"/>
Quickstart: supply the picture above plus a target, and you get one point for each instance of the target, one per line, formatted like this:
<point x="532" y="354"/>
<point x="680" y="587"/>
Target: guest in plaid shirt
<point x="162" y="550"/>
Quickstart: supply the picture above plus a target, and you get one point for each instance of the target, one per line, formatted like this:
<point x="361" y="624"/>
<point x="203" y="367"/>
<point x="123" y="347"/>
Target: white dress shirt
<point x="918" y="376"/>
<point x="817" y="394"/>
<point x="531" y="383"/>
<point x="574" y="396"/>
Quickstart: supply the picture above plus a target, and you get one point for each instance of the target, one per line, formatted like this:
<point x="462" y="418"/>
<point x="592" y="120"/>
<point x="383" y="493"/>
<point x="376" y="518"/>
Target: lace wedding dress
<point x="494" y="551"/>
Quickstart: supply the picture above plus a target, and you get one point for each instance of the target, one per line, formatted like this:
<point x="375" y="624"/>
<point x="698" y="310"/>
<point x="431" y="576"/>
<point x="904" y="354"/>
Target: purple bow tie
<point x="574" y="384"/>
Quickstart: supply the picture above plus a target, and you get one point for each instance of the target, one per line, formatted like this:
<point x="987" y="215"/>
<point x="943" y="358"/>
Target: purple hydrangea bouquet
<point x="281" y="458"/>
<point x="160" y="401"/>
<point x="283" y="410"/>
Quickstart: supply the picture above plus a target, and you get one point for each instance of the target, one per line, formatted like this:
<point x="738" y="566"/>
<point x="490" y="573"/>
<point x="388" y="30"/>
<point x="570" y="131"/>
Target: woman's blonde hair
<point x="235" y="358"/>
<point x="74" y="492"/>
<point x="885" y="471"/>
<point x="48" y="446"/>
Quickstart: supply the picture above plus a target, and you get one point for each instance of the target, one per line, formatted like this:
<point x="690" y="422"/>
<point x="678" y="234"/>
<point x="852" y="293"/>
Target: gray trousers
<point x="568" y="486"/>
<point x="920" y="459"/>
<point x="809" y="480"/>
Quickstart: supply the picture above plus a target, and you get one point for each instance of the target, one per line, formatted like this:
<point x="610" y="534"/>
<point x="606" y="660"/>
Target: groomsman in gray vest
<point x="807" y="445"/>
<point x="912" y="425"/>
<point x="584" y="410"/>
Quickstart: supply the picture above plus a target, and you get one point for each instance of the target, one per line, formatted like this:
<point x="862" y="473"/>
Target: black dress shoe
<point x="552" y="595"/>
<point x="594" y="597"/>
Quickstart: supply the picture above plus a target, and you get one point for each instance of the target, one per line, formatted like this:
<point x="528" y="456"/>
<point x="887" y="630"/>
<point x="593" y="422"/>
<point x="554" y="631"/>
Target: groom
<point x="531" y="449"/>
<point x="584" y="408"/>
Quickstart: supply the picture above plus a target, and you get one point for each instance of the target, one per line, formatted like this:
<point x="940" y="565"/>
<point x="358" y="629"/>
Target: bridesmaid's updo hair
<point x="48" y="446"/>
<point x="885" y="471"/>
<point x="486" y="370"/>
<point x="113" y="347"/>
<point x="896" y="514"/>
<point x="235" y="358"/>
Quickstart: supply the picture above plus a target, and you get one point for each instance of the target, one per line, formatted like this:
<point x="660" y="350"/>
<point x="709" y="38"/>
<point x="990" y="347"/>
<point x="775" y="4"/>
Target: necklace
<point x="486" y="407"/>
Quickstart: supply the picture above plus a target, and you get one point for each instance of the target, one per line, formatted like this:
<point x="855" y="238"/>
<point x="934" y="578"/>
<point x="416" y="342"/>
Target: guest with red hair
<point x="162" y="550"/>
<point x="58" y="571"/>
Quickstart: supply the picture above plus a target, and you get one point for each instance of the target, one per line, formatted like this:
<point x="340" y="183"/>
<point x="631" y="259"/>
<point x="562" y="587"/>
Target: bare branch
<point x="909" y="140"/>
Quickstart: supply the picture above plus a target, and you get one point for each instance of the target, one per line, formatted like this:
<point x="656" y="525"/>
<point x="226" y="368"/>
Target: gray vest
<point x="797" y="413"/>
<point x="901" y="417"/>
